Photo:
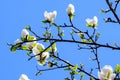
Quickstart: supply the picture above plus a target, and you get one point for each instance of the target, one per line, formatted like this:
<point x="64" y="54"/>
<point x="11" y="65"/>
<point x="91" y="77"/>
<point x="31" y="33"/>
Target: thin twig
<point x="51" y="69"/>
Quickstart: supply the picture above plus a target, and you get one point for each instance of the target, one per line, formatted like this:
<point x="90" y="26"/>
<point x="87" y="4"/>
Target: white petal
<point x="107" y="68"/>
<point x="70" y="9"/>
<point x="45" y="14"/>
<point x="24" y="77"/>
<point x="39" y="45"/>
<point x="24" y="33"/>
<point x="54" y="14"/>
<point x="45" y="54"/>
<point x="113" y="76"/>
<point x="55" y="49"/>
<point x="35" y="50"/>
<point x="95" y="20"/>
<point x="104" y="72"/>
<point x="100" y="76"/>
<point x="88" y="20"/>
<point x="30" y="44"/>
<point x="50" y="16"/>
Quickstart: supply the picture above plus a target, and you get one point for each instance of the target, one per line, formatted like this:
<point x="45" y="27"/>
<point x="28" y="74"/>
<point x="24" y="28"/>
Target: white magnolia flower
<point x="70" y="9"/>
<point x="92" y="22"/>
<point x="37" y="50"/>
<point x="106" y="73"/>
<point x="24" y="77"/>
<point x="50" y="16"/>
<point x="24" y="34"/>
<point x="30" y="45"/>
<point x="42" y="59"/>
<point x="17" y="41"/>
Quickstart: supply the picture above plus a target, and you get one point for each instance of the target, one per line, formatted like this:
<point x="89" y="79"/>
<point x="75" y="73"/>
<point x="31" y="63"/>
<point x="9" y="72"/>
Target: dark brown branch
<point x="72" y="41"/>
<point x="98" y="62"/>
<point x="95" y="51"/>
<point x="110" y="20"/>
<point x="113" y="11"/>
<point x="116" y="5"/>
<point x="78" y="68"/>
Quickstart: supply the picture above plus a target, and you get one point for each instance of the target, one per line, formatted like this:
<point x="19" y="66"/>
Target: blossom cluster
<point x="31" y="41"/>
<point x="50" y="16"/>
<point x="37" y="48"/>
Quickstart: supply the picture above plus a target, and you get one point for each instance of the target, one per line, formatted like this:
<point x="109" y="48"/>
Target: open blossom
<point x="24" y="77"/>
<point x="37" y="50"/>
<point x="70" y="9"/>
<point x="42" y="59"/>
<point x="106" y="73"/>
<point x="50" y="16"/>
<point x="92" y="22"/>
<point x="24" y="34"/>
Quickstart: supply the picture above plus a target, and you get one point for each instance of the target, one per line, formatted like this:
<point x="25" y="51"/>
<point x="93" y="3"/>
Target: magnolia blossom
<point x="37" y="50"/>
<point x="50" y="16"/>
<point x="70" y="9"/>
<point x="92" y="22"/>
<point x="30" y="45"/>
<point x="42" y="59"/>
<point x="24" y="77"/>
<point x="106" y="73"/>
<point x="24" y="34"/>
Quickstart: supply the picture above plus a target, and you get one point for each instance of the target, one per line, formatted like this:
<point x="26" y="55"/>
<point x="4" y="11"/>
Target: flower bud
<point x="70" y="9"/>
<point x="24" y="34"/>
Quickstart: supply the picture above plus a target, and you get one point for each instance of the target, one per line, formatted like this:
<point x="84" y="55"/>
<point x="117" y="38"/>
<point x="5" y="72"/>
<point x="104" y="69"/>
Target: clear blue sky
<point x="16" y="14"/>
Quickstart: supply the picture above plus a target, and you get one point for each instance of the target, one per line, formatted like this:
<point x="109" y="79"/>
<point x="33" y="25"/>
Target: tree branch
<point x="78" y="68"/>
<point x="113" y="11"/>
